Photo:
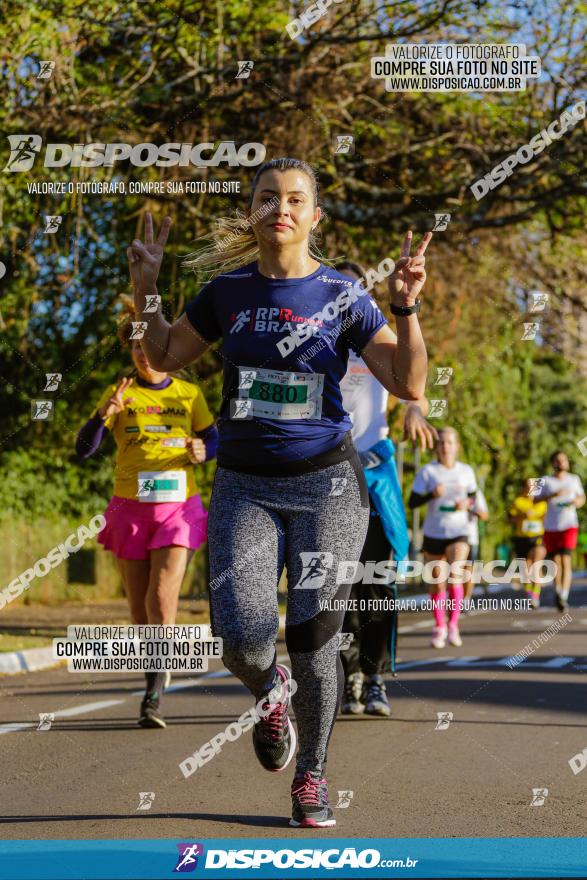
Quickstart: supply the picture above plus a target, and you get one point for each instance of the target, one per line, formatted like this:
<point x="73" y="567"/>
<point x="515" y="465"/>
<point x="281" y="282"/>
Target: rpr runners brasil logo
<point x="270" y="320"/>
<point x="24" y="149"/>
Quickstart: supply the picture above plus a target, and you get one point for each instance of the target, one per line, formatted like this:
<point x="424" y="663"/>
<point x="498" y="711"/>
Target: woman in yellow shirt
<point x="155" y="520"/>
<point x="527" y="516"/>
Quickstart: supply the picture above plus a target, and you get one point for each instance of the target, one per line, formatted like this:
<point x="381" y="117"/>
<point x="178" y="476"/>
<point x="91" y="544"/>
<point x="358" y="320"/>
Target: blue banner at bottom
<point x="308" y="857"/>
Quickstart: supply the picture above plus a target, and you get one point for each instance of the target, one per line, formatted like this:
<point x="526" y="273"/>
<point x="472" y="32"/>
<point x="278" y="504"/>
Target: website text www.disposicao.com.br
<point x="332" y="858"/>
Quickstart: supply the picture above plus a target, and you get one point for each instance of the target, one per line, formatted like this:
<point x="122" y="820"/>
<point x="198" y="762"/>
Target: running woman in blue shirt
<point x="289" y="489"/>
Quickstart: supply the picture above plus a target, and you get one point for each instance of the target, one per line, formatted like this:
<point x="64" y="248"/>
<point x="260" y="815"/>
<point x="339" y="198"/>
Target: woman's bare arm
<point x="401" y="363"/>
<point x="168" y="347"/>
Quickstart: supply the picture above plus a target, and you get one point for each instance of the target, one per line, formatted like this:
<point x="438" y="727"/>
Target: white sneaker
<point x="439" y="634"/>
<point x="454" y="636"/>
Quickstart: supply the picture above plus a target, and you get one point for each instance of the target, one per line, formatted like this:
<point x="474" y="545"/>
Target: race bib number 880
<point x="277" y="394"/>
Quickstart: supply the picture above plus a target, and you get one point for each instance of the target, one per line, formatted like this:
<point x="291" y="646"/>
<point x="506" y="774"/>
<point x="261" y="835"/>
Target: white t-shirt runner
<point x="365" y="400"/>
<point x="561" y="513"/>
<point x="442" y="519"/>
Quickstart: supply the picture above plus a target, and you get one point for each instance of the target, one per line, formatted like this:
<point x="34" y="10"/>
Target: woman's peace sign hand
<point x="117" y="402"/>
<point x="409" y="275"/>
<point x="144" y="259"/>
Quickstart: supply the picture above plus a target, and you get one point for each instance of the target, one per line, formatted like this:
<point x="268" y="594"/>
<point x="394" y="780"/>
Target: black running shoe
<point x="561" y="602"/>
<point x="274" y="737"/>
<point x="376" y="697"/>
<point x="150" y="715"/>
<point x="310" y="805"/>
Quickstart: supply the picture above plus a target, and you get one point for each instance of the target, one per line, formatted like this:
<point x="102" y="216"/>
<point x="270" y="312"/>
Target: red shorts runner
<point x="557" y="541"/>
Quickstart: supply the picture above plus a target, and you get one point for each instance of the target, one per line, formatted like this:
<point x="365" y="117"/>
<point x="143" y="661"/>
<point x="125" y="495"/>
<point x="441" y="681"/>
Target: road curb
<point x="31" y="660"/>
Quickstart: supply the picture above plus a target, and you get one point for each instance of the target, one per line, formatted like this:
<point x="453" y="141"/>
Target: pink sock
<point x="438" y="610"/>
<point x="455" y="593"/>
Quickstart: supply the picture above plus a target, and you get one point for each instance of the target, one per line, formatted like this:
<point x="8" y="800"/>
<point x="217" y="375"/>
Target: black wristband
<point x="404" y="311"/>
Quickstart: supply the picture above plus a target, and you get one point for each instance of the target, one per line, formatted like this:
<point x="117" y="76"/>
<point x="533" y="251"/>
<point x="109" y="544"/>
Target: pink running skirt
<point x="133" y="528"/>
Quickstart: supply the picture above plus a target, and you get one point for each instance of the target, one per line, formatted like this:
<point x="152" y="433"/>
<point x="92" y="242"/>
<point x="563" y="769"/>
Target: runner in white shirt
<point x="563" y="492"/>
<point x="365" y="399"/>
<point x="448" y="487"/>
<point x="479" y="511"/>
<point x="368" y="657"/>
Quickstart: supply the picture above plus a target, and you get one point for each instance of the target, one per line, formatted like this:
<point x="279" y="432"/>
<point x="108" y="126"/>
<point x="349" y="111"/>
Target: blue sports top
<point x="285" y="345"/>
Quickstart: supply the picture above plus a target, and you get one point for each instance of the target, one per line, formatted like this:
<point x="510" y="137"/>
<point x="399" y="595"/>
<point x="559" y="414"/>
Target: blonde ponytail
<point x="231" y="244"/>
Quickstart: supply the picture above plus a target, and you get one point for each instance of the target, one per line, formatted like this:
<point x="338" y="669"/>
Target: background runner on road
<point x="527" y="515"/>
<point x="372" y="625"/>
<point x="162" y="427"/>
<point x="563" y="492"/>
<point x="448" y="487"/>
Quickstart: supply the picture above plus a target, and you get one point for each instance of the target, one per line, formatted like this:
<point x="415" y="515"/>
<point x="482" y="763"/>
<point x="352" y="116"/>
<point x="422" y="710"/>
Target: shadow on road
<point x="271" y="821"/>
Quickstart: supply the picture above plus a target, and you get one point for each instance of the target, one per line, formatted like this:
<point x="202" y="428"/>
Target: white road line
<point x="421" y="625"/>
<point x="553" y="663"/>
<point x="12" y="728"/>
<point x="88" y="708"/>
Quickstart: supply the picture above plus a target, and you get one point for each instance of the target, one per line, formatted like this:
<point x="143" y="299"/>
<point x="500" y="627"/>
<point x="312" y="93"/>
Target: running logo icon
<point x="241" y="409"/>
<point x="146" y="486"/>
<point x="146" y="799"/>
<point x="344" y="799"/>
<point x="437" y="409"/>
<point x="538" y="301"/>
<point x="444" y="719"/>
<point x="23" y="151"/>
<point x="188" y="857"/>
<point x="443" y="375"/>
<point x="138" y="329"/>
<point x="536" y="484"/>
<point x="240" y="320"/>
<point x="46" y="69"/>
<point x="244" y="69"/>
<point x="539" y="795"/>
<point x="441" y="222"/>
<point x="46" y="719"/>
<point x="246" y="378"/>
<point x="530" y="331"/>
<point x="152" y="302"/>
<point x="41" y="410"/>
<point x="52" y="381"/>
<point x="344" y="641"/>
<point x="52" y="223"/>
<point x="315" y="570"/>
<point x="344" y="144"/>
<point x="338" y="486"/>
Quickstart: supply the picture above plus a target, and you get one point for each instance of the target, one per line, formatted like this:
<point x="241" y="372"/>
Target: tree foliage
<point x="165" y="72"/>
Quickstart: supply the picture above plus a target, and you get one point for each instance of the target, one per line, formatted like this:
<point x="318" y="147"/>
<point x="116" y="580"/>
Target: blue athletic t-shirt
<point x="285" y="345"/>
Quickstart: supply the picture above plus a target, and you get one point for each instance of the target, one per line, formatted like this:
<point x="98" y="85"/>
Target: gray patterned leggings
<point x="256" y="526"/>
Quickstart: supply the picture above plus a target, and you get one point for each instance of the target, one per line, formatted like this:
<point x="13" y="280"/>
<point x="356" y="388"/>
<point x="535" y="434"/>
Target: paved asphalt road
<point x="513" y="730"/>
